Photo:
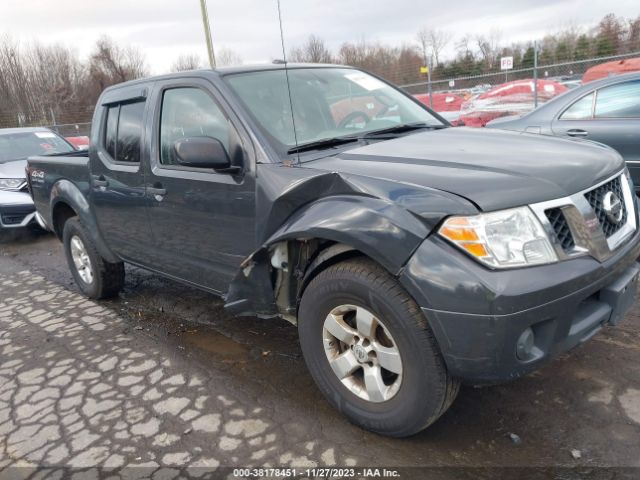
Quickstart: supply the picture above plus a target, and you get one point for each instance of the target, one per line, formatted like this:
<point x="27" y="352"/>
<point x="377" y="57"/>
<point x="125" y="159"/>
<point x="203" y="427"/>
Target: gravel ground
<point x="162" y="378"/>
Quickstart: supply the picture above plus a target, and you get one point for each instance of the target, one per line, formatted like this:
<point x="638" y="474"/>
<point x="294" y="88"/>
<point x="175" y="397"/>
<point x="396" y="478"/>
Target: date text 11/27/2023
<point x="285" y="473"/>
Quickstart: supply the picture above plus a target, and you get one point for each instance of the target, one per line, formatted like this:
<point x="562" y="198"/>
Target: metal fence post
<point x="429" y="86"/>
<point x="54" y="124"/>
<point x="535" y="74"/>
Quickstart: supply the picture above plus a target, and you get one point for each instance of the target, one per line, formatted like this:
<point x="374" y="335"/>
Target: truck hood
<point x="13" y="169"/>
<point x="494" y="169"/>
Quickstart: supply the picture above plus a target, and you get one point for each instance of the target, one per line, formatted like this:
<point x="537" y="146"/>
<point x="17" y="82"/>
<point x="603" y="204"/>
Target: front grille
<point x="14" y="214"/>
<point x="561" y="228"/>
<point x="13" y="218"/>
<point x="595" y="198"/>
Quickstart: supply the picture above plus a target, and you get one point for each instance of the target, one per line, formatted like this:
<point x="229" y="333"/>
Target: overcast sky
<point x="163" y="29"/>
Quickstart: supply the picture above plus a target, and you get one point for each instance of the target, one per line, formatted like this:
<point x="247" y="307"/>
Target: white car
<point x="16" y="144"/>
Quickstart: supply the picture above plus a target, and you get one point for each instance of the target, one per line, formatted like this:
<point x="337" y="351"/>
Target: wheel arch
<point x="269" y="280"/>
<point x="381" y="230"/>
<point x="67" y="201"/>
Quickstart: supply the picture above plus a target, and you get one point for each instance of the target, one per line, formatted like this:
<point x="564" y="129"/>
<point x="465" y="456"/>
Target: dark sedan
<point x="606" y="111"/>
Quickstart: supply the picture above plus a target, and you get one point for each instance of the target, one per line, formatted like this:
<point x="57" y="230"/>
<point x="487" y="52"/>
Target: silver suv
<point x="16" y="144"/>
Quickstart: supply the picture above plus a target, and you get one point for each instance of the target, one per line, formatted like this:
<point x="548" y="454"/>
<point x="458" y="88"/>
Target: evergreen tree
<point x="583" y="48"/>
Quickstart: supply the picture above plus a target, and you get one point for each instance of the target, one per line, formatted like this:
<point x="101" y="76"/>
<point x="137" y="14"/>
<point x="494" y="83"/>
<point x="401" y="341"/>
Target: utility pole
<point x="207" y="33"/>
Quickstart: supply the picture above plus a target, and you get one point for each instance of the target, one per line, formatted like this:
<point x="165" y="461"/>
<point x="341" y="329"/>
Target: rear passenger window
<point x="581" y="110"/>
<point x="111" y="130"/>
<point x="619" y="101"/>
<point x="123" y="132"/>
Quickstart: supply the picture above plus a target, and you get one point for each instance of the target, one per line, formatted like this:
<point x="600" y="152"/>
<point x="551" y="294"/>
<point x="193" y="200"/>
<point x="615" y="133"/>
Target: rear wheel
<point x="95" y="277"/>
<point x="370" y="350"/>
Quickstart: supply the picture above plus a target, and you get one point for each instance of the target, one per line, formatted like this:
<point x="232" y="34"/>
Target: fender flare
<point x="66" y="192"/>
<point x="381" y="230"/>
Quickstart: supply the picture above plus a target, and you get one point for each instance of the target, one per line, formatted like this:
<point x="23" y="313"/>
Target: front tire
<point x="370" y="350"/>
<point x="96" y="278"/>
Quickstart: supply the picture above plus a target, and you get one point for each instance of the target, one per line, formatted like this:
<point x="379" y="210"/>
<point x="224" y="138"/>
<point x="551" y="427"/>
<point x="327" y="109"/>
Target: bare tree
<point x="37" y="82"/>
<point x="186" y="61"/>
<point x="15" y="98"/>
<point x="111" y="63"/>
<point x="314" y="50"/>
<point x="226" y="57"/>
<point x="56" y="79"/>
<point x="633" y="36"/>
<point x="354" y="54"/>
<point x="432" y="42"/>
<point x="463" y="46"/>
<point x="489" y="45"/>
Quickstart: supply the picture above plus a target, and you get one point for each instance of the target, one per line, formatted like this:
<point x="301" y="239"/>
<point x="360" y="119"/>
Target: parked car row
<point x="605" y="111"/>
<point x="484" y="103"/>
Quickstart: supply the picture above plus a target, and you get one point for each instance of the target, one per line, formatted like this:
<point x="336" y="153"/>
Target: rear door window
<point x="123" y="132"/>
<point x="619" y="101"/>
<point x="111" y="130"/>
<point x="581" y="110"/>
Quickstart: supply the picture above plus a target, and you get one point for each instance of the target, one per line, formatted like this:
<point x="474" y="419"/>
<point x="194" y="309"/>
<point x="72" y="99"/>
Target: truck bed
<point x="43" y="172"/>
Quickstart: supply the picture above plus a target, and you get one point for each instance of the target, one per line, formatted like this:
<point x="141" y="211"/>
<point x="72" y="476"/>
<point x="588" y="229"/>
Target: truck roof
<point x="223" y="71"/>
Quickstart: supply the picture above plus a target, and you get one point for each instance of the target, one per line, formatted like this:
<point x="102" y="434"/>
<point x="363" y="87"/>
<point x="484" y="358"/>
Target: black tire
<point x="426" y="390"/>
<point x="108" y="278"/>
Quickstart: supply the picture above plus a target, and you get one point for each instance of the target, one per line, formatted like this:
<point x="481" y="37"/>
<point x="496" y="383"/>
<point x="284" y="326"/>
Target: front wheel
<point x="370" y="350"/>
<point x="95" y="277"/>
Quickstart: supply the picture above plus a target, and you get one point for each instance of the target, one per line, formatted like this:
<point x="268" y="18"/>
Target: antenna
<point x="286" y="73"/>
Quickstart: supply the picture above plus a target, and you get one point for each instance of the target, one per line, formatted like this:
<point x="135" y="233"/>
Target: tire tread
<point x="109" y="276"/>
<point x="376" y="275"/>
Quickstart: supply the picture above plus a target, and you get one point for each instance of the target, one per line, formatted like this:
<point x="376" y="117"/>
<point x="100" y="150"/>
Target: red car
<point x="80" y="142"/>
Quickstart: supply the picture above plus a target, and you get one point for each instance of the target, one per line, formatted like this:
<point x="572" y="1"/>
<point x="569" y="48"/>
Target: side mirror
<point x="204" y="152"/>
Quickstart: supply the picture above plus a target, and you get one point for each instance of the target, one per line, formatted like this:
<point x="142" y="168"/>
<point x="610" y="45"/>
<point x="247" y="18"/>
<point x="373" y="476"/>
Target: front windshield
<point x="17" y="146"/>
<point x="327" y="103"/>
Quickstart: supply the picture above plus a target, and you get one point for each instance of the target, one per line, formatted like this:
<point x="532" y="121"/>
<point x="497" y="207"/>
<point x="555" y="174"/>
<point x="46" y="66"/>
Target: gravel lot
<point x="162" y="377"/>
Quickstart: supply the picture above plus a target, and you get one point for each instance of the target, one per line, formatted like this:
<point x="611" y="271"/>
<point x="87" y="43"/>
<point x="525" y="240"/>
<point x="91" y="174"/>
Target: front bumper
<point x="478" y="315"/>
<point x="16" y="209"/>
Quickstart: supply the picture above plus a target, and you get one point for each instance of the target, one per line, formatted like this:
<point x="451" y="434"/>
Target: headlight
<point x="503" y="239"/>
<point x="11" y="183"/>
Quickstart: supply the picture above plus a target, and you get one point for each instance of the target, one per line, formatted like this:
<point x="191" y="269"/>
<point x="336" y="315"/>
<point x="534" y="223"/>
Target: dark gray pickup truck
<point x="412" y="257"/>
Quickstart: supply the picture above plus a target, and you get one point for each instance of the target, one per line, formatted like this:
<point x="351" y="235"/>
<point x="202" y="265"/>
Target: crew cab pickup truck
<point x="412" y="257"/>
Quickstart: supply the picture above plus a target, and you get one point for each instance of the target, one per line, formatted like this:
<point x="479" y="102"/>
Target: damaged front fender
<point x="378" y="229"/>
<point x="308" y="209"/>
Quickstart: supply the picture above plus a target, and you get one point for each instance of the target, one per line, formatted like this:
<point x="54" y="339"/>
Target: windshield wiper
<point x="332" y="142"/>
<point x="319" y="144"/>
<point x="405" y="127"/>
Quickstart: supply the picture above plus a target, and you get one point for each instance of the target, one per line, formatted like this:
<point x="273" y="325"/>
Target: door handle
<point x="576" y="132"/>
<point x="99" y="181"/>
<point x="157" y="191"/>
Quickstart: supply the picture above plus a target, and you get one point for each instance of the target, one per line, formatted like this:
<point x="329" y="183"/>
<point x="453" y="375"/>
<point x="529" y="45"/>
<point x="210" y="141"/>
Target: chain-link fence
<point x="72" y="129"/>
<point x="469" y="94"/>
<point x="564" y="72"/>
<point x="71" y="122"/>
